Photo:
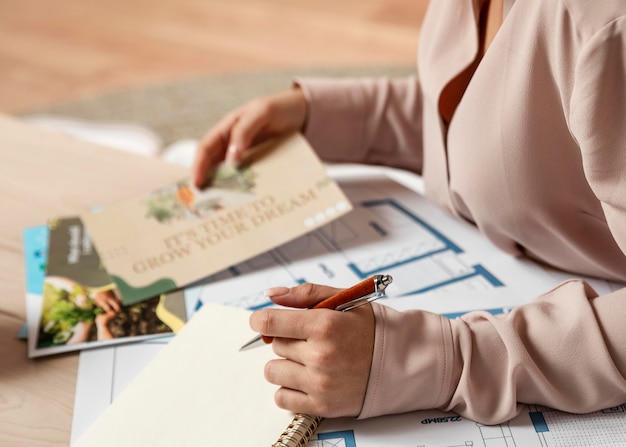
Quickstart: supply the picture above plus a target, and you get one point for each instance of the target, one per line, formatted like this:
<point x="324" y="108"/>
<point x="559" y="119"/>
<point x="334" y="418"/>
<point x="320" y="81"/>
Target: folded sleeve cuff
<point x="412" y="366"/>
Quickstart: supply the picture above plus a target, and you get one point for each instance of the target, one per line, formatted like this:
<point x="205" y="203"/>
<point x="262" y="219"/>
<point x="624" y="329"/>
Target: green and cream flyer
<point x="178" y="234"/>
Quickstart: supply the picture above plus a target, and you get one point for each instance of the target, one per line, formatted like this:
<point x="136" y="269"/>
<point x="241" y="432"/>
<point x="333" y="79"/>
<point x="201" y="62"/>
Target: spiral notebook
<point x="200" y="390"/>
<point x="299" y="431"/>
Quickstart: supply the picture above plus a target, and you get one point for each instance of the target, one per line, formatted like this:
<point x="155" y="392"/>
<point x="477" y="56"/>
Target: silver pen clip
<point x="380" y="284"/>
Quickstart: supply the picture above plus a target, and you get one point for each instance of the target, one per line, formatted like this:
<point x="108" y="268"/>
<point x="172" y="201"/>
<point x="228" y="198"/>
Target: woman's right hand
<point x="325" y="356"/>
<point x="246" y="126"/>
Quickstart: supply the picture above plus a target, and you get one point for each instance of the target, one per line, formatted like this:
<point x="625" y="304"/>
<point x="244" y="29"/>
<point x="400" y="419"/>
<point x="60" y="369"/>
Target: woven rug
<point x="186" y="109"/>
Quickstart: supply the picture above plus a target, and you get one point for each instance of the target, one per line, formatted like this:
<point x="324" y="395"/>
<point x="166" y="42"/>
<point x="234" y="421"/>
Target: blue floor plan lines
<point x="401" y="241"/>
<point x="334" y="439"/>
<point x="386" y="235"/>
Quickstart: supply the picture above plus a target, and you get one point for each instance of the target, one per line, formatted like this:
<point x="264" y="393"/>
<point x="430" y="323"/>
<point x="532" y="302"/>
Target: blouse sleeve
<point x="376" y="121"/>
<point x="597" y="108"/>
<point x="564" y="350"/>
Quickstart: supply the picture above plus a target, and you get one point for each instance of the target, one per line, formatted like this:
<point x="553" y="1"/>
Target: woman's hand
<point x="246" y="126"/>
<point x="326" y="355"/>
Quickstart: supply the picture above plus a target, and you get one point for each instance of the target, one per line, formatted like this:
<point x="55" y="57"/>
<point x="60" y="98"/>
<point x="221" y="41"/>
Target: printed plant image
<point x="230" y="185"/>
<point x="73" y="314"/>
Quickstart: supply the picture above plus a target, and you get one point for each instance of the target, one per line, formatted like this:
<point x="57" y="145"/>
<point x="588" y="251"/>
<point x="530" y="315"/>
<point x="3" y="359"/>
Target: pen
<point x="364" y="292"/>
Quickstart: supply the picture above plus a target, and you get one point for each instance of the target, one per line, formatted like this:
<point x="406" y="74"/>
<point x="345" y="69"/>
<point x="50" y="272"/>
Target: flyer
<point x="178" y="234"/>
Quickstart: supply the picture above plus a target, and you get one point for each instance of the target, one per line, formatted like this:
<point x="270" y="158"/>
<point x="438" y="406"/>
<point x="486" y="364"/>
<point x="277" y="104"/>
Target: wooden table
<point x="42" y="175"/>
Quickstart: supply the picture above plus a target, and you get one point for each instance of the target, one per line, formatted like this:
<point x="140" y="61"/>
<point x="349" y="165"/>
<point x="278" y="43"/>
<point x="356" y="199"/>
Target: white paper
<point x="199" y="390"/>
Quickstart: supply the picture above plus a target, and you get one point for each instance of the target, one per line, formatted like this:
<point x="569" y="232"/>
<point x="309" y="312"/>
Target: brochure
<point x="178" y="234"/>
<point x="72" y="302"/>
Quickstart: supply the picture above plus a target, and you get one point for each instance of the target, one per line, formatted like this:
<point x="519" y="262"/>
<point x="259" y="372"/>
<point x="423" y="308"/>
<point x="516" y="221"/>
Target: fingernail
<point x="276" y="291"/>
<point x="231" y="154"/>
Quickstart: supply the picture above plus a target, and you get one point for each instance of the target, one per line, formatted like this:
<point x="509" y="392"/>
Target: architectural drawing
<point x="390" y="231"/>
<point x="536" y="426"/>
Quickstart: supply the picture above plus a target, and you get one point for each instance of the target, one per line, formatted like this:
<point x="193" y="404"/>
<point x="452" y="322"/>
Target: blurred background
<point x="57" y="51"/>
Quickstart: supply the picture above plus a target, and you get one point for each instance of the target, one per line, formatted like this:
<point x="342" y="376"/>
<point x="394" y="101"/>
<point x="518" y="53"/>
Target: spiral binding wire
<point x="299" y="431"/>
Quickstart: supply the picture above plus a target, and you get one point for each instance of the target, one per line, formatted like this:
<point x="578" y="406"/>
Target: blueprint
<point x="438" y="263"/>
<point x="535" y="426"/>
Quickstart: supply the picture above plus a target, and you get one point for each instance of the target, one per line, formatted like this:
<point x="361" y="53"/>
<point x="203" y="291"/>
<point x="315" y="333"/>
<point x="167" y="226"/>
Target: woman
<point x="516" y="123"/>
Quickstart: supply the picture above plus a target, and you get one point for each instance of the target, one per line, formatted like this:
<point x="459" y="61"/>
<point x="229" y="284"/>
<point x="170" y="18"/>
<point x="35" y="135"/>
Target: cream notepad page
<point x="199" y="391"/>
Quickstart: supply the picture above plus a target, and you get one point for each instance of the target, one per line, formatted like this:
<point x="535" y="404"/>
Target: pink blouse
<point x="535" y="156"/>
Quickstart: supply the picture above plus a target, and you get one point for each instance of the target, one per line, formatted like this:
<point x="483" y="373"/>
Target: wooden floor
<point x="51" y="51"/>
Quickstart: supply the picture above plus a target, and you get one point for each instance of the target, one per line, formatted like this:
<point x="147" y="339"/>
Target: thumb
<point x="301" y="296"/>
